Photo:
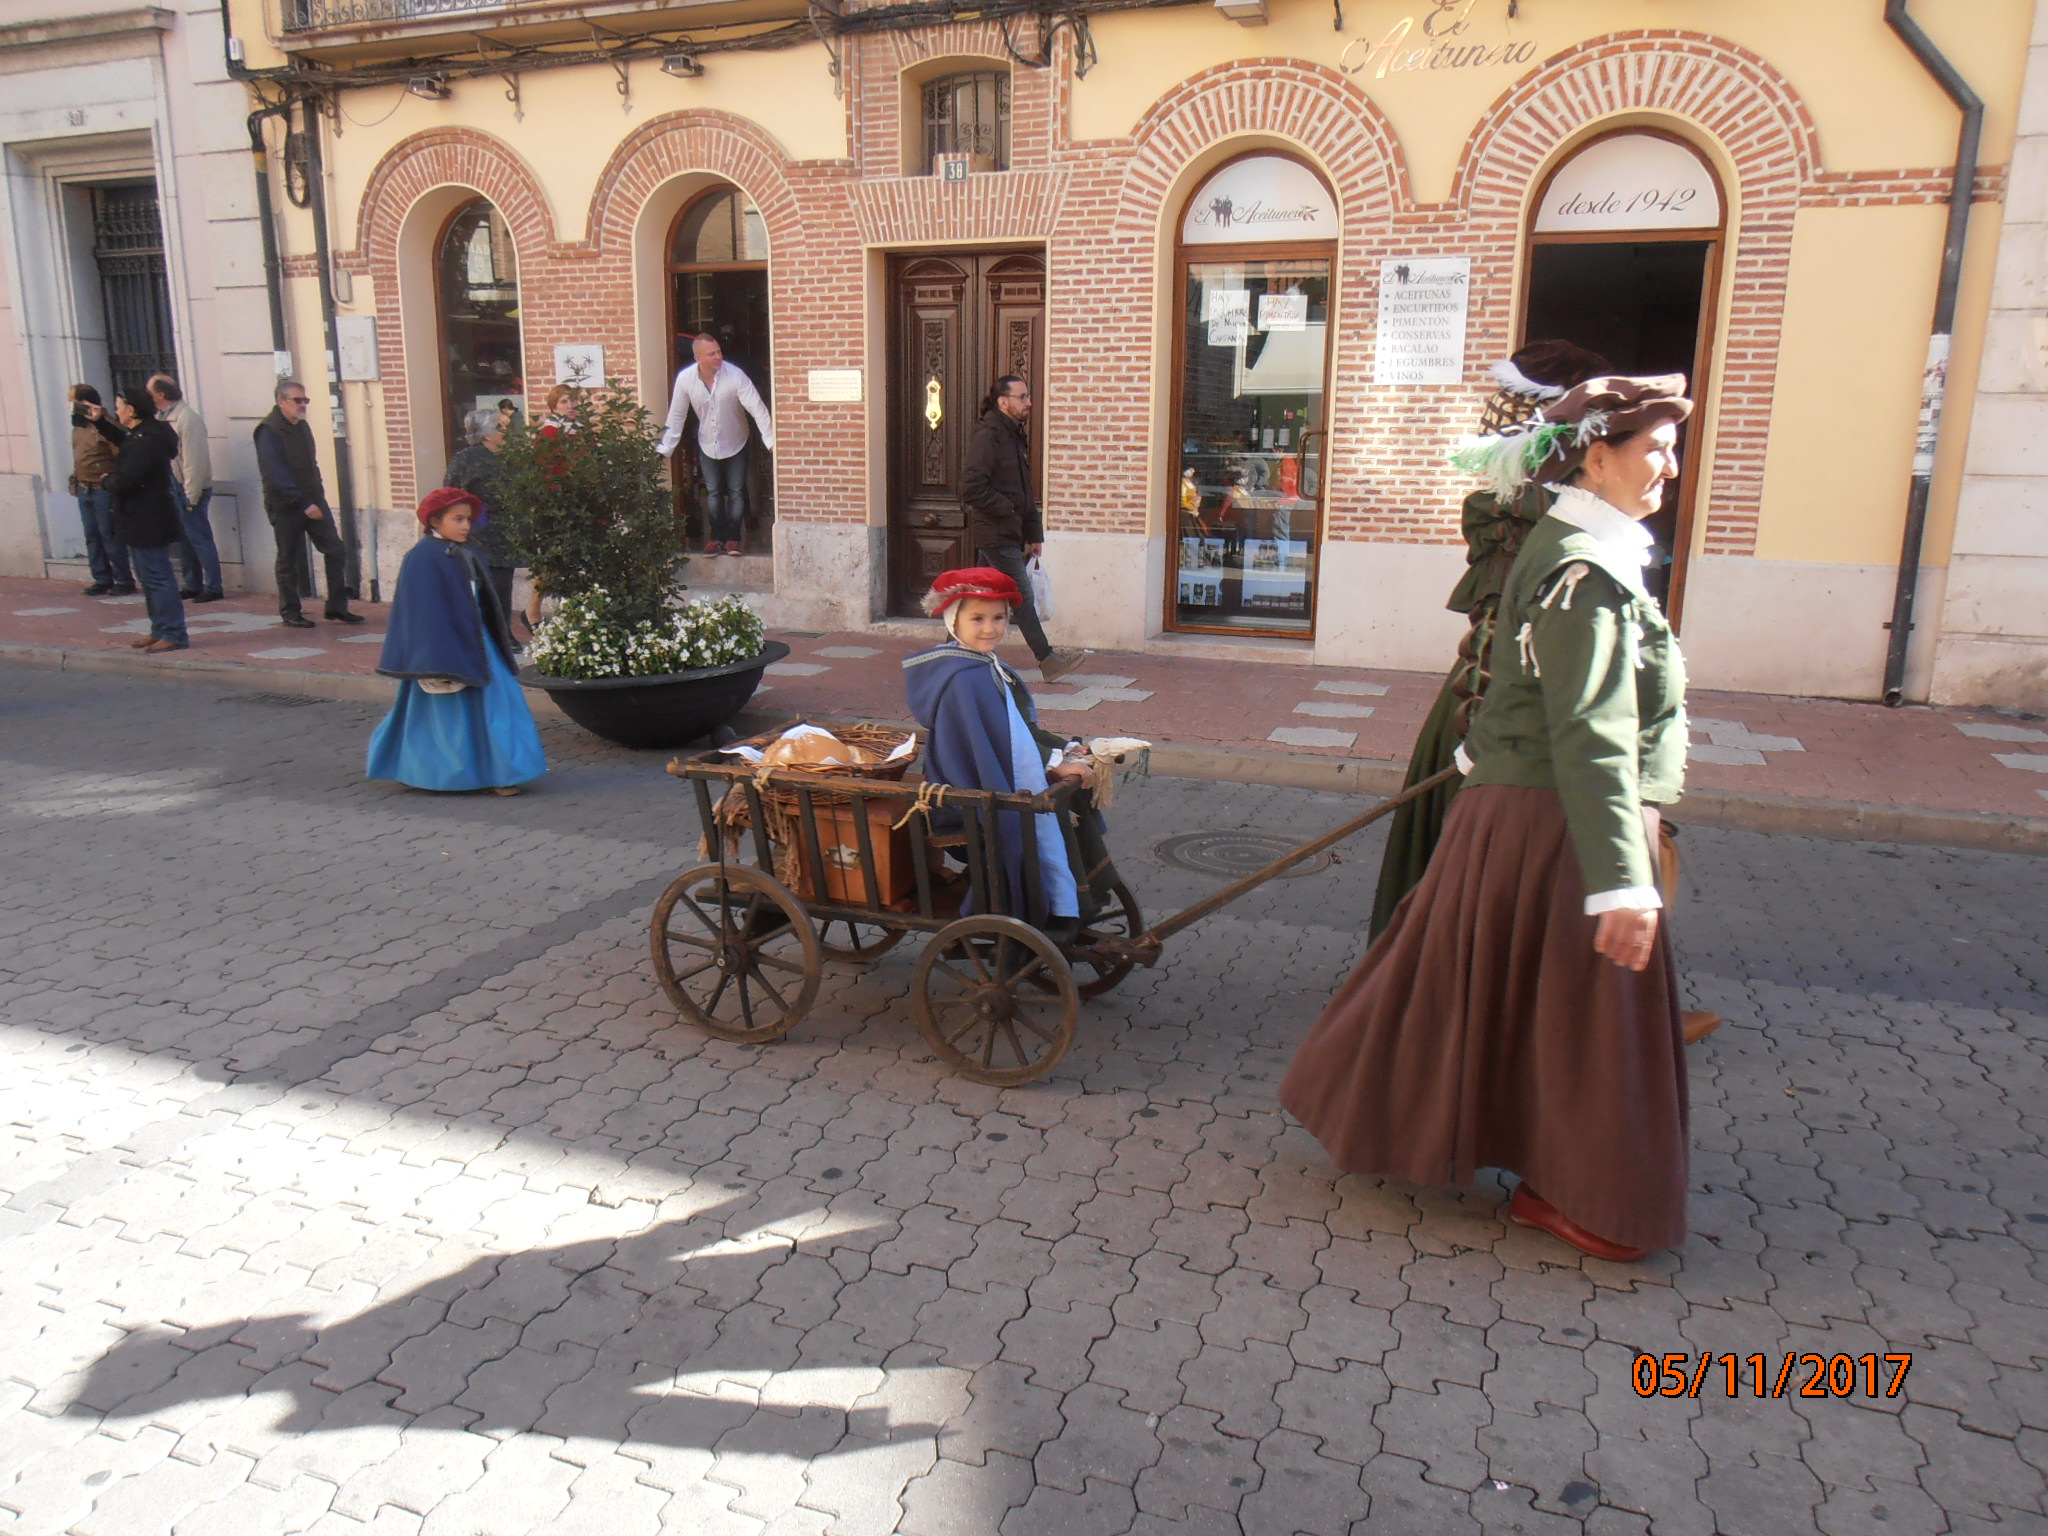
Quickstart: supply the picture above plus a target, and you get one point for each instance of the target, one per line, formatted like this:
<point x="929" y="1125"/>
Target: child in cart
<point x="984" y="734"/>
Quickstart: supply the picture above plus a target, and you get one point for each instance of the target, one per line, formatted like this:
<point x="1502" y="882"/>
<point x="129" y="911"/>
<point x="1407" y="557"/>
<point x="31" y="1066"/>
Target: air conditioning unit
<point x="956" y="167"/>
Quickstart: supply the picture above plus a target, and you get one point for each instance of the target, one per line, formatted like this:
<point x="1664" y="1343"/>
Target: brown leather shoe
<point x="1528" y="1209"/>
<point x="158" y="647"/>
<point x="143" y="644"/>
<point x="1698" y="1024"/>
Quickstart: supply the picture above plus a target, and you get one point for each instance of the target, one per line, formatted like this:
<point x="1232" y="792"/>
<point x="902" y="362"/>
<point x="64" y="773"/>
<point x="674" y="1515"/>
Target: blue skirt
<point x="480" y="738"/>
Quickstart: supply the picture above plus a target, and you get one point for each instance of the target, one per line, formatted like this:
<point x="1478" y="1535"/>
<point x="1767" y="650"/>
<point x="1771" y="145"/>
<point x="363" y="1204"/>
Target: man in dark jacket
<point x="1003" y="523"/>
<point x="143" y="513"/>
<point x="295" y="501"/>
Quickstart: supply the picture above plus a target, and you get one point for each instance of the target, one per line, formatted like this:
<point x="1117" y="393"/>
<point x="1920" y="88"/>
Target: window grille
<point x="968" y="115"/>
<point x="128" y="248"/>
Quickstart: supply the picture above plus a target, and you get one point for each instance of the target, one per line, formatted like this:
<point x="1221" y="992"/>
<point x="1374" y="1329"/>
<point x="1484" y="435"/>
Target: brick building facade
<point x="1811" y="311"/>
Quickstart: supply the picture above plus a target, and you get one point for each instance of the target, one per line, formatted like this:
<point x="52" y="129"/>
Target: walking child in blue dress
<point x="461" y="721"/>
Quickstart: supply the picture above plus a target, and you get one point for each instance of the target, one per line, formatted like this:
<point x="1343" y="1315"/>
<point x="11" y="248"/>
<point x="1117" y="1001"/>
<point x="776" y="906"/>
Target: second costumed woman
<point x="1520" y="1011"/>
<point x="460" y="721"/>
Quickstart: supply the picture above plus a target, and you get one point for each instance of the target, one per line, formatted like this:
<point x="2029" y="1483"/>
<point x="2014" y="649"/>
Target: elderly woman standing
<point x="1521" y="1009"/>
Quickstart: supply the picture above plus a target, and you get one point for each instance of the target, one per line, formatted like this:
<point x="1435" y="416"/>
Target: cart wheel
<point x="735" y="952"/>
<point x="1120" y="920"/>
<point x="844" y="938"/>
<point x="995" y="999"/>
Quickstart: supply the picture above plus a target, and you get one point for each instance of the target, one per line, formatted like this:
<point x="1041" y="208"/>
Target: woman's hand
<point x="1626" y="938"/>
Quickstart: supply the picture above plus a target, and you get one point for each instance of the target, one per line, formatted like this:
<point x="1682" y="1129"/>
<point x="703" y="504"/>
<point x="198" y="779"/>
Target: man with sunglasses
<point x="295" y="501"/>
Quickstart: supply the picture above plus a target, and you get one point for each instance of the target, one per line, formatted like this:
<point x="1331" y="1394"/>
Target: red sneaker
<point x="732" y="549"/>
<point x="712" y="547"/>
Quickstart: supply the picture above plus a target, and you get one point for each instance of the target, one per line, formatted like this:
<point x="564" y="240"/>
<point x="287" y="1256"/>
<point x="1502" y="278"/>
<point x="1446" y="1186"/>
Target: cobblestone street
<point x="358" y="1177"/>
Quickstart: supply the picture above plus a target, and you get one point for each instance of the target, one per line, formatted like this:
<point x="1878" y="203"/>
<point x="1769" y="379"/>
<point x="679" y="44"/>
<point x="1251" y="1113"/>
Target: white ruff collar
<point x="1625" y="540"/>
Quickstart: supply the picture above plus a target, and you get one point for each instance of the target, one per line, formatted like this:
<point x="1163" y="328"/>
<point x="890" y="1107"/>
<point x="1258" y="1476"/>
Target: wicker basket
<point x="778" y="801"/>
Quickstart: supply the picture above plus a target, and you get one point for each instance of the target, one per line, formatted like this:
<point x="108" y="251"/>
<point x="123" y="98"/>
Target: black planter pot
<point x="667" y="711"/>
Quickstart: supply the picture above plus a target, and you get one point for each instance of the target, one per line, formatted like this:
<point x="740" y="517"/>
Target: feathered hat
<point x="1548" y="446"/>
<point x="1533" y="377"/>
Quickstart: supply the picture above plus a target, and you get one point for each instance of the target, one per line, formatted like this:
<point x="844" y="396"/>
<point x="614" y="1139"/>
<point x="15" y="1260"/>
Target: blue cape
<point x="958" y="696"/>
<point x="442" y="616"/>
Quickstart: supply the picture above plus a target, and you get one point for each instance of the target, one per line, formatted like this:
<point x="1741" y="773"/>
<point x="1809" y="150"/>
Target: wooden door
<point x="960" y="319"/>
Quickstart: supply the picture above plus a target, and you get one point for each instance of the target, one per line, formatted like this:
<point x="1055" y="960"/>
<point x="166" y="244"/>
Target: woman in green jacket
<point x="1521" y="1009"/>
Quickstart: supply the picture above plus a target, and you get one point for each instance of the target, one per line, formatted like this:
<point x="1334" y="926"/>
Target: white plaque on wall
<point x="1259" y="199"/>
<point x="835" y="386"/>
<point x="357" y="336"/>
<point x="1421" y="336"/>
<point x="580" y="363"/>
<point x="1631" y="181"/>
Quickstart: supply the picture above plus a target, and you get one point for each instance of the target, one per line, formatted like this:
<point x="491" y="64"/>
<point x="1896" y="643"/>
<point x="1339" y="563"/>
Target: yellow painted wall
<point x="1848" y="392"/>
<point x="1875" y="107"/>
<point x="573" y="121"/>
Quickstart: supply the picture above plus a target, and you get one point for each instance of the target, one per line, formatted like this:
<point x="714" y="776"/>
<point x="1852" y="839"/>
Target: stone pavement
<point x="1788" y="762"/>
<point x="356" y="1178"/>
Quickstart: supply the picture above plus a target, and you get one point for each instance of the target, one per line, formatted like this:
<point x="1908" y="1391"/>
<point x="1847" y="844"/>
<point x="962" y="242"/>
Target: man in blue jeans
<point x="192" y="490"/>
<point x="91" y="457"/>
<point x="723" y="397"/>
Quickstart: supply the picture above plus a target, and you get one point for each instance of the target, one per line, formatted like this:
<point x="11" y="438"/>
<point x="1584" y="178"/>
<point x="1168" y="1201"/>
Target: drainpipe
<point x="344" y="470"/>
<point x="273" y="266"/>
<point x="1934" y="378"/>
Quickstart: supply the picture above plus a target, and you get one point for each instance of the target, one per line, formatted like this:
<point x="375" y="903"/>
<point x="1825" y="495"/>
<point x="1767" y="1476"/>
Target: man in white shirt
<point x="723" y="397"/>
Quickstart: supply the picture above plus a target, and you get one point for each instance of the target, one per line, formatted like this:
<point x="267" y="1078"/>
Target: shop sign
<point x="1437" y="37"/>
<point x="1259" y="199"/>
<point x="1228" y="312"/>
<point x="1631" y="181"/>
<point x="1422" y="320"/>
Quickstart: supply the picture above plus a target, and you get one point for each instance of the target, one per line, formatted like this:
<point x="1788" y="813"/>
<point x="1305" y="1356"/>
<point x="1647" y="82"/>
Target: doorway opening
<point x="135" y="292"/>
<point x="718" y="286"/>
<point x="958" y="321"/>
<point x="1624" y="260"/>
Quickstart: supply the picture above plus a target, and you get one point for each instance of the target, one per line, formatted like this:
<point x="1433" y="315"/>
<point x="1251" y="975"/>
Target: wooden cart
<point x="741" y="951"/>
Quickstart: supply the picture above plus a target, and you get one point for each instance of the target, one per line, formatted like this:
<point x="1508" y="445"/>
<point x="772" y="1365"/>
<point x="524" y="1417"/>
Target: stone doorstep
<point x="1838" y="820"/>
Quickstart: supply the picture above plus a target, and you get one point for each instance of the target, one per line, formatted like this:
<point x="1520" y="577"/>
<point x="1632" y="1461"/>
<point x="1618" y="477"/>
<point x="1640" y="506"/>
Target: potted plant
<point x="586" y="503"/>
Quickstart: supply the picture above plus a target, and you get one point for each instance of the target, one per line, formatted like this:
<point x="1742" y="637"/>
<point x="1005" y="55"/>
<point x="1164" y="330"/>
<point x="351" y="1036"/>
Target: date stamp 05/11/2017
<point x="1771" y="1376"/>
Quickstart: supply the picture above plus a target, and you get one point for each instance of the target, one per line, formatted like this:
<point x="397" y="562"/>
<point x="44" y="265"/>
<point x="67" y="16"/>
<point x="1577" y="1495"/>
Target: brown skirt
<point x="1482" y="1031"/>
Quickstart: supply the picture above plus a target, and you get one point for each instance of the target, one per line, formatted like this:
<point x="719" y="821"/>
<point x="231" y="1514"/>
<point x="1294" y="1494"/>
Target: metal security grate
<point x="968" y="114"/>
<point x="128" y="248"/>
<point x="315" y="15"/>
<point x="1233" y="855"/>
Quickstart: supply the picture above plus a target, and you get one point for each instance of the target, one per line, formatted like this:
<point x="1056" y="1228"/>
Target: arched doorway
<point x="718" y="285"/>
<point x="477" y="297"/>
<point x="1256" y="249"/>
<point x="1624" y="257"/>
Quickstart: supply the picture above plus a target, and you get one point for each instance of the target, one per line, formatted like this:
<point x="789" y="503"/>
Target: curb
<point x="1731" y="810"/>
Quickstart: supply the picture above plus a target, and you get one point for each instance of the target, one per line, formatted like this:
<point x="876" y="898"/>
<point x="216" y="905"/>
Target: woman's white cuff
<point x="1463" y="759"/>
<point x="1630" y="898"/>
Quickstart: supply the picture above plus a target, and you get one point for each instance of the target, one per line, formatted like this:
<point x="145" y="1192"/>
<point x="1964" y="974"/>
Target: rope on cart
<point x="930" y="797"/>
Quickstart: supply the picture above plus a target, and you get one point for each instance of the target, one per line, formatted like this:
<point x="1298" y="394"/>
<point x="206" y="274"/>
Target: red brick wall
<point x="1100" y="207"/>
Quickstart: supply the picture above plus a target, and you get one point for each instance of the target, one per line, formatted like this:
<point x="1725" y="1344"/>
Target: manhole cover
<point x="1233" y="854"/>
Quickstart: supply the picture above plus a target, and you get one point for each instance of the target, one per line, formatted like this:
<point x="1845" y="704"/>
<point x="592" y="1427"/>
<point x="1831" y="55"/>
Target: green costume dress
<point x="1482" y="1029"/>
<point x="1493" y="537"/>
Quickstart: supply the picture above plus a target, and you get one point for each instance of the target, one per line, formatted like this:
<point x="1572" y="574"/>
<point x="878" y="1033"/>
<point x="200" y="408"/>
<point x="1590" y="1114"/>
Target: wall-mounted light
<point x="1246" y="13"/>
<point x="683" y="66"/>
<point x="429" y="87"/>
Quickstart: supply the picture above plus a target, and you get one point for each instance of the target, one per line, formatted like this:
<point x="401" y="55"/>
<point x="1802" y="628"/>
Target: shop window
<point x="1256" y="250"/>
<point x="482" y="370"/>
<point x="1624" y="254"/>
<point x="968" y="114"/>
<point x="718" y="286"/>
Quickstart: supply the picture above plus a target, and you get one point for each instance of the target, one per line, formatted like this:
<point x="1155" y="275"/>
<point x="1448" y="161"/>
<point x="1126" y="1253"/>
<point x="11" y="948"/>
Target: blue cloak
<point x="962" y="698"/>
<point x="446" y="623"/>
<point x="442" y="616"/>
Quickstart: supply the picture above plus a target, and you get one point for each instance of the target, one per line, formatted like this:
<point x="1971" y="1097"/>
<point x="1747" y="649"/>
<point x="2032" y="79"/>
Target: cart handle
<point x="1145" y="947"/>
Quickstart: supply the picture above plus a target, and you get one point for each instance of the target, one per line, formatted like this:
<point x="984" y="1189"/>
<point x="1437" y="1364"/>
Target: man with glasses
<point x="1003" y="521"/>
<point x="295" y="501"/>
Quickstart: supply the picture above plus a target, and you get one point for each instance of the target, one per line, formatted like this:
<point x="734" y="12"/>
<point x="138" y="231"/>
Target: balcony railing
<point x="319" y="15"/>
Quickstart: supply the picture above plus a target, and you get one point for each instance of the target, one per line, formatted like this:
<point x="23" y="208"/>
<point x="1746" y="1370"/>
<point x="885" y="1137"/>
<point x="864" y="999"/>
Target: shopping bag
<point x="1041" y="586"/>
